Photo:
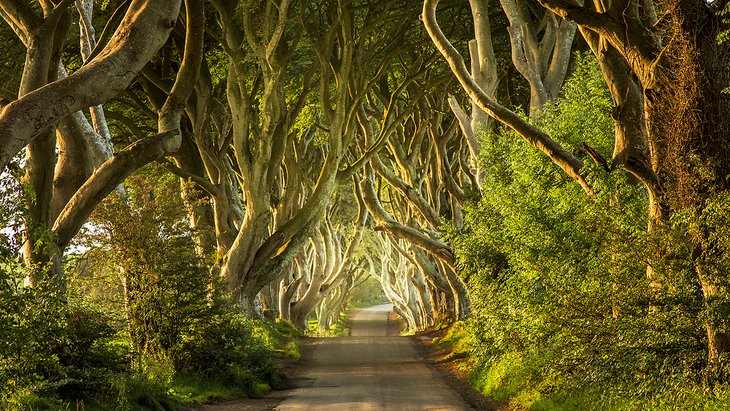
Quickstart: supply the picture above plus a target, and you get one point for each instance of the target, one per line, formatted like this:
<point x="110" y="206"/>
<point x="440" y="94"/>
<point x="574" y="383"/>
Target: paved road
<point x="369" y="371"/>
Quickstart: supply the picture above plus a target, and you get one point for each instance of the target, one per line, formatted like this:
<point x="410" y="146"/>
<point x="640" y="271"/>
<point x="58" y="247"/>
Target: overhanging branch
<point x="106" y="178"/>
<point x="536" y="137"/>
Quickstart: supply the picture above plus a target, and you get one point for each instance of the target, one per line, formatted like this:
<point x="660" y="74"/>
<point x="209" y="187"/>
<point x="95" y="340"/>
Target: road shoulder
<point x="437" y="358"/>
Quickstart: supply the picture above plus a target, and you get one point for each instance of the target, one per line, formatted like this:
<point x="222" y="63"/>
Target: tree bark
<point x="567" y="162"/>
<point x="142" y="32"/>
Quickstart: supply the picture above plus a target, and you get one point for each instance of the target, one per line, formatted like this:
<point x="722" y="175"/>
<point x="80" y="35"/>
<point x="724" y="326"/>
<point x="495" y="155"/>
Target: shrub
<point x="558" y="280"/>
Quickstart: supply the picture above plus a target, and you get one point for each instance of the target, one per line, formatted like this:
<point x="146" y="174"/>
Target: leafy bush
<point x="560" y="295"/>
<point x="32" y="338"/>
<point x="52" y="351"/>
<point x="225" y="348"/>
<point x="181" y="325"/>
<point x="141" y="324"/>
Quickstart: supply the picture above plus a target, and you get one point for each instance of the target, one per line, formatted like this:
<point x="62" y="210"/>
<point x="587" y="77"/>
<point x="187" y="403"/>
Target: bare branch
<point x="19" y="15"/>
<point x="562" y="158"/>
<point x="630" y="36"/>
<point x="184" y="174"/>
<point x="108" y="31"/>
<point x="143" y="31"/>
<point x="385" y="222"/>
<point x="187" y="75"/>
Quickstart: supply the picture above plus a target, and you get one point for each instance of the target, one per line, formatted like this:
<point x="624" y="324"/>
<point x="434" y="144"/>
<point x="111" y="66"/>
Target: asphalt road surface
<point x="369" y="371"/>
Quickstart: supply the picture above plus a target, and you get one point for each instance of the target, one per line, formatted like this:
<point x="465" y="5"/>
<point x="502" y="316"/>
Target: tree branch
<point x="538" y="139"/>
<point x="594" y="155"/>
<point x="108" y="31"/>
<point x="641" y="48"/>
<point x="385" y="222"/>
<point x="143" y="31"/>
<point x="19" y="14"/>
<point x="104" y="180"/>
<point x="187" y="75"/>
<point x="182" y="173"/>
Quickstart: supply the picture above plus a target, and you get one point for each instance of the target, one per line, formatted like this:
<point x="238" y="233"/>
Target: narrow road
<point x="369" y="371"/>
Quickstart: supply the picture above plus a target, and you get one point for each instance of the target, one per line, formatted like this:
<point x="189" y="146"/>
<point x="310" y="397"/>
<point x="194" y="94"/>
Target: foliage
<point x="141" y="326"/>
<point x="32" y="334"/>
<point x="460" y="341"/>
<point x="724" y="35"/>
<point x="49" y="346"/>
<point x="179" y="318"/>
<point x="558" y="281"/>
<point x="52" y="350"/>
<point x="281" y="338"/>
<point x="367" y="294"/>
<point x="226" y="349"/>
<point x="145" y="243"/>
<point x="340" y="329"/>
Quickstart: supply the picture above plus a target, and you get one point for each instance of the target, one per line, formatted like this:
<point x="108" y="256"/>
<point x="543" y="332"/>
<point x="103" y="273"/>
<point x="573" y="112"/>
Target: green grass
<point x="339" y="329"/>
<point x="685" y="396"/>
<point x="519" y="379"/>
<point x="140" y="392"/>
<point x="507" y="378"/>
<point x="281" y="338"/>
<point x="460" y="340"/>
<point x="190" y="390"/>
<point x="159" y="387"/>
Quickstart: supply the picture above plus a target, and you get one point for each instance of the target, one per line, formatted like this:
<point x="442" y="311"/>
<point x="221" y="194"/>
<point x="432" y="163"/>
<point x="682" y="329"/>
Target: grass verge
<point x="519" y="379"/>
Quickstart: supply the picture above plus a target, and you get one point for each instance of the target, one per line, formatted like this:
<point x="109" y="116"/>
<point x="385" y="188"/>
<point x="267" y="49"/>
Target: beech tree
<point x="289" y="120"/>
<point x="404" y="282"/>
<point x="319" y="144"/>
<point x="421" y="164"/>
<point x="666" y="79"/>
<point x="326" y="265"/>
<point x="47" y="115"/>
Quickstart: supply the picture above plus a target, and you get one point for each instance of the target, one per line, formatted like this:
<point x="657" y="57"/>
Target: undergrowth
<point x="512" y="377"/>
<point x="341" y="328"/>
<point x="89" y="367"/>
<point x="563" y="314"/>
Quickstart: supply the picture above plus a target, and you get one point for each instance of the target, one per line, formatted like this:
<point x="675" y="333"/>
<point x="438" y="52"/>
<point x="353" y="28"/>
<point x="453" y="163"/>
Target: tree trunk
<point x="142" y="32"/>
<point x="689" y="127"/>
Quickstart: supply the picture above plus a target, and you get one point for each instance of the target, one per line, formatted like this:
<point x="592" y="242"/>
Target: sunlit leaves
<point x="558" y="278"/>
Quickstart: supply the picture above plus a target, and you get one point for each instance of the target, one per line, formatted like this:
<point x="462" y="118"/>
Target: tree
<point x="144" y="240"/>
<point x="61" y="203"/>
<point x="670" y="113"/>
<point x="328" y="264"/>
